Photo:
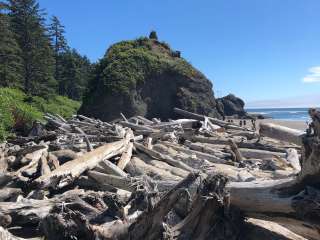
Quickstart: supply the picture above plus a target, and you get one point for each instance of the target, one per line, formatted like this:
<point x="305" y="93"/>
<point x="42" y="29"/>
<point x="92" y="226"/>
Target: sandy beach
<point x="300" y="125"/>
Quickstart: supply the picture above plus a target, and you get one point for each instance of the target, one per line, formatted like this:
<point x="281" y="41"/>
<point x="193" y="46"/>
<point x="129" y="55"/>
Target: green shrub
<point x="18" y="111"/>
<point x="129" y="63"/>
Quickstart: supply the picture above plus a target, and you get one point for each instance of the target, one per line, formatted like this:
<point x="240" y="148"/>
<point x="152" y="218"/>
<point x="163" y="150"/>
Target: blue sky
<point x="257" y="49"/>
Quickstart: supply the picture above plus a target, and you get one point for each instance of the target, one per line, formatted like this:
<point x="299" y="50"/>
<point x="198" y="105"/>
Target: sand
<point x="300" y="125"/>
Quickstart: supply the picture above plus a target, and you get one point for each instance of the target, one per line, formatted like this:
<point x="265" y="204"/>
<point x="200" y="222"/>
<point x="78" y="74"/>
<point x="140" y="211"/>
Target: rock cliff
<point x="146" y="77"/>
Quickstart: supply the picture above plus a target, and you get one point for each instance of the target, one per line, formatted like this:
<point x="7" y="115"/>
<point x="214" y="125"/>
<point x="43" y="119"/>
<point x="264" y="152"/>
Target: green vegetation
<point x="36" y="57"/>
<point x="129" y="63"/>
<point x="18" y="110"/>
<point x="36" y="64"/>
<point x="153" y="35"/>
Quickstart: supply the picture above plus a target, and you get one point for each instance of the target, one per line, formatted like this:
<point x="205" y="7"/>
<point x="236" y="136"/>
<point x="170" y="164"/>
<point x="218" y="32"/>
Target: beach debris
<point x="192" y="178"/>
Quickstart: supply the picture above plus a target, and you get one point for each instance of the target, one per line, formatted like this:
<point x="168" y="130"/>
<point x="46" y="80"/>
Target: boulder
<point x="145" y="77"/>
<point x="231" y="105"/>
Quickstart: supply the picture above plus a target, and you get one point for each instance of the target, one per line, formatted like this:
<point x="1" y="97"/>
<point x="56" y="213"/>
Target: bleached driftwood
<point x="281" y="133"/>
<point x="67" y="172"/>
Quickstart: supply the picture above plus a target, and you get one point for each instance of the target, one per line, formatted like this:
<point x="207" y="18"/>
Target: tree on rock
<point x="153" y="35"/>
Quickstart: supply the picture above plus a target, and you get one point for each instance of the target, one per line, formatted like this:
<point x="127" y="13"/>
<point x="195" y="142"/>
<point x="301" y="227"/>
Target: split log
<point x="66" y="173"/>
<point x="167" y="159"/>
<point x="209" y="157"/>
<point x="154" y="172"/>
<point x="281" y="133"/>
<point x="166" y="167"/>
<point x="110" y="168"/>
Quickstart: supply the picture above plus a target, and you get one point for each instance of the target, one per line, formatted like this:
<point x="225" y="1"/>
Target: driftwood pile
<point x="191" y="178"/>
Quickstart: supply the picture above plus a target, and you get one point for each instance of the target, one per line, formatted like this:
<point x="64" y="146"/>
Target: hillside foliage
<point x="18" y="110"/>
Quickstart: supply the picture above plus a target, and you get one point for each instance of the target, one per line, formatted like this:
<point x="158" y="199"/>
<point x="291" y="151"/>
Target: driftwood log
<point x="195" y="178"/>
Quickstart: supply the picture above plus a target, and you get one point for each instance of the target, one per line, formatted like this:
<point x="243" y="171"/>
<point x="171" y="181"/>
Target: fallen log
<point x="154" y="172"/>
<point x="202" y="118"/>
<point x="126" y="155"/>
<point x="167" y="159"/>
<point x="149" y="224"/>
<point x="66" y="173"/>
<point x="295" y="199"/>
<point x="260" y="154"/>
<point x="281" y="133"/>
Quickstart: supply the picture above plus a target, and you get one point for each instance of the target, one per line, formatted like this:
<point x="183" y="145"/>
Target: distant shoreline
<point x="283" y="114"/>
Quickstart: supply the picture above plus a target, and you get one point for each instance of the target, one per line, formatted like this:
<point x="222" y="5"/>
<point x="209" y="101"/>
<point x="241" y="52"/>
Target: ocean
<point x="294" y="114"/>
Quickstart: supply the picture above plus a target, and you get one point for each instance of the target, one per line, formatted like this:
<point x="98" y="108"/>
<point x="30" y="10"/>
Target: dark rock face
<point x="231" y="105"/>
<point x="144" y="77"/>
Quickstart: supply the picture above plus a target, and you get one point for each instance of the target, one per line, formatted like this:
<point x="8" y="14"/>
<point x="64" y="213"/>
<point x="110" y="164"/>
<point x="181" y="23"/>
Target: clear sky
<point x="257" y="49"/>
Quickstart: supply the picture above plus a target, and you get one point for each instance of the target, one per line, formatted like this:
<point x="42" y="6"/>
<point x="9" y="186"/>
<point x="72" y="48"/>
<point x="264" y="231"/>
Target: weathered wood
<point x="154" y="172"/>
<point x="110" y="168"/>
<point x="6" y="235"/>
<point x="67" y="172"/>
<point x="293" y="159"/>
<point x="160" y="156"/>
<point x="210" y="216"/>
<point x="149" y="224"/>
<point x="126" y="155"/>
<point x="202" y="118"/>
<point x="209" y="157"/>
<point x="43" y="164"/>
<point x="281" y="133"/>
<point x="235" y="150"/>
<point x="260" y="154"/>
<point x="137" y="127"/>
<point x="9" y="194"/>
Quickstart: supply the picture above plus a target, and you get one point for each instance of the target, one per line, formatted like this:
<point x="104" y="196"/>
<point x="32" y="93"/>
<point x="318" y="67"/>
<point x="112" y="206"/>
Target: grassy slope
<point x="18" y="110"/>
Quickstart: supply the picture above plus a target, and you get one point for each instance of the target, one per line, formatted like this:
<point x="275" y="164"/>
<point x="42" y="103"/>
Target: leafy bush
<point x="129" y="63"/>
<point x="18" y="111"/>
<point x="56" y="105"/>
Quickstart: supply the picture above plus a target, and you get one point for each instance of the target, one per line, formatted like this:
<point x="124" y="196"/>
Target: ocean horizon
<point x="291" y="114"/>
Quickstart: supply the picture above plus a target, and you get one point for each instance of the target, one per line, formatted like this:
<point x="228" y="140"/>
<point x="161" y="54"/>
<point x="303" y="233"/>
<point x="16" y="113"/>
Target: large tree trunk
<point x="294" y="201"/>
<point x="281" y="133"/>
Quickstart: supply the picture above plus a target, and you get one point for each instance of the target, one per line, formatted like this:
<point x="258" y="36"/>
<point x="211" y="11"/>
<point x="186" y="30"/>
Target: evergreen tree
<point x="10" y="60"/>
<point x="153" y="35"/>
<point x="75" y="74"/>
<point x="31" y="34"/>
<point x="60" y="46"/>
